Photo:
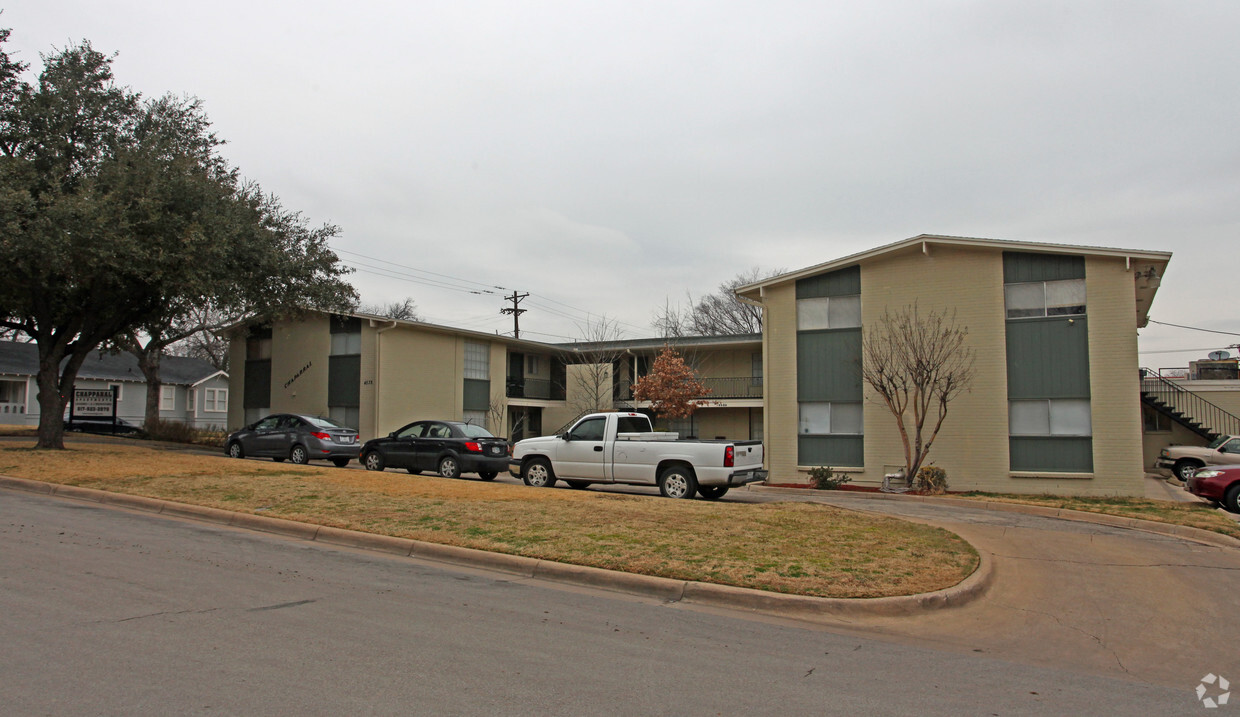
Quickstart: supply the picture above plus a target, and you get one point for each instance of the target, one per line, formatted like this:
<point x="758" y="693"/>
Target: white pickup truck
<point x="623" y="448"/>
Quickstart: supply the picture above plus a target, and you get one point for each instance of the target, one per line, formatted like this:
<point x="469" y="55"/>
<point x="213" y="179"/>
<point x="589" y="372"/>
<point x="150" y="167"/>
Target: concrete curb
<point x="667" y="589"/>
<point x="1199" y="535"/>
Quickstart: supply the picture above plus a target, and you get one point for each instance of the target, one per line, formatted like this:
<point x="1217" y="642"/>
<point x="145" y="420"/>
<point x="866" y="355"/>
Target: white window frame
<point x="190" y="402"/>
<point x="1058" y="416"/>
<point x="213" y="398"/>
<point x="811" y="415"/>
<point x="477" y="360"/>
<point x="167" y="398"/>
<point x="817" y="312"/>
<point x="1047" y="288"/>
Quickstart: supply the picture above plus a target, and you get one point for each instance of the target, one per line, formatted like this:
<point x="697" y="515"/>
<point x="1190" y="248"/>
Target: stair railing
<point x="1191" y="405"/>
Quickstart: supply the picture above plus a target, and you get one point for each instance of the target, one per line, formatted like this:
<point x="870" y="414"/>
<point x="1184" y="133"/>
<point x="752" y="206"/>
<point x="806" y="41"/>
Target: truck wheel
<point x="449" y="467"/>
<point x="1231" y="501"/>
<point x="537" y="474"/>
<point x="1184" y="469"/>
<point x="712" y="492"/>
<point x="677" y="482"/>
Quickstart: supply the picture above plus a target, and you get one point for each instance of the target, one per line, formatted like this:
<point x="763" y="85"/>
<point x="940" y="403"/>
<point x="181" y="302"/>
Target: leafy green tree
<point x="117" y="215"/>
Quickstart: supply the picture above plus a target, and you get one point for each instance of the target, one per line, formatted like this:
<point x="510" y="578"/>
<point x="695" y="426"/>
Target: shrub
<point x="825" y="478"/>
<point x="932" y="480"/>
<point x="179" y="432"/>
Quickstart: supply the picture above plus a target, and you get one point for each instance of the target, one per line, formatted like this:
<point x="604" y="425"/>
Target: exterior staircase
<point x="1187" y="408"/>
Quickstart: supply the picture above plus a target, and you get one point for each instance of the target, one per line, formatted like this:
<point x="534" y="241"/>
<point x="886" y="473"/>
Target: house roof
<point x="1145" y="263"/>
<point x="683" y="342"/>
<point x="22" y="359"/>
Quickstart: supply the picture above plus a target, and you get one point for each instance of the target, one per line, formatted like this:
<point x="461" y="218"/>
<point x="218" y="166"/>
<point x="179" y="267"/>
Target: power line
<point x="1194" y="328"/>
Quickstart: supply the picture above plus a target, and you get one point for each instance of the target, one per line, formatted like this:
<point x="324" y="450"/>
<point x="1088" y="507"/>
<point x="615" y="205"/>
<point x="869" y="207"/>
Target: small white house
<point x="193" y="390"/>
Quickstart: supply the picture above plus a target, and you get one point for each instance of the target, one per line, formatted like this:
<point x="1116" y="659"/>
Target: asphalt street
<point x="110" y="612"/>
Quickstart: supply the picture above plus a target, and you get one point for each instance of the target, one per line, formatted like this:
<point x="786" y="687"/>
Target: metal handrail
<point x="730" y="387"/>
<point x="1189" y="404"/>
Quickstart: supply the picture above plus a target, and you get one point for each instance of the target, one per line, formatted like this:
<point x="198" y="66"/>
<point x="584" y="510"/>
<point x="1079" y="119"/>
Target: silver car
<point x="297" y="438"/>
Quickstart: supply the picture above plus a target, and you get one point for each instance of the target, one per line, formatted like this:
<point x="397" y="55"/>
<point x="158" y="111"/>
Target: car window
<point x="1214" y="445"/>
<point x="590" y="429"/>
<point x="289" y="423"/>
<point x="629" y="424"/>
<point x="320" y="422"/>
<point x="473" y="431"/>
<point x="438" y="430"/>
<point x="412" y="431"/>
<point x="1232" y="446"/>
<point x="267" y="423"/>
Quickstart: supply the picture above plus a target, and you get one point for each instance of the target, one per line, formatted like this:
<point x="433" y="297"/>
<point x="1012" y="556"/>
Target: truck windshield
<point x="632" y="424"/>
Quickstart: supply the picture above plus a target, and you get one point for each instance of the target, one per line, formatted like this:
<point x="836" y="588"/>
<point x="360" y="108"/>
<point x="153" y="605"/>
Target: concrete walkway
<point x="1078" y="595"/>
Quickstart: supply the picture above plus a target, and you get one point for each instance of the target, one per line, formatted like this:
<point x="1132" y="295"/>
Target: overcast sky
<point x="608" y="157"/>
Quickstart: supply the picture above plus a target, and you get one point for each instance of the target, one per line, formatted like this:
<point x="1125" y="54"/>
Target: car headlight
<point x="1207" y="474"/>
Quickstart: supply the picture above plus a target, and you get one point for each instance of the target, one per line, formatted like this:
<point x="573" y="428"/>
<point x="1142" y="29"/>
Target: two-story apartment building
<point x="1055" y="402"/>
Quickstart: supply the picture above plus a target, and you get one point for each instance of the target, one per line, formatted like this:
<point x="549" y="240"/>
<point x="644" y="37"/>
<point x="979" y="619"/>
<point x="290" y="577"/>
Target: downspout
<point x="379" y="364"/>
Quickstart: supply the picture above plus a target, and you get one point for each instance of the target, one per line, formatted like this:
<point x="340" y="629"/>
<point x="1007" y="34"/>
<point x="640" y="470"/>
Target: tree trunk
<point x="148" y="362"/>
<point x="51" y="403"/>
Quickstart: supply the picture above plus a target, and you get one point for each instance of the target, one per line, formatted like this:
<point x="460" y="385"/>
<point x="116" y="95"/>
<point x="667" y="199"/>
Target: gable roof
<point x="22" y="359"/>
<point x="1150" y="264"/>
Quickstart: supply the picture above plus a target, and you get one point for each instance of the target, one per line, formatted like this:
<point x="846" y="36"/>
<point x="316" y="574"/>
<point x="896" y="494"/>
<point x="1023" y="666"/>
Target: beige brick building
<point x="1055" y="402"/>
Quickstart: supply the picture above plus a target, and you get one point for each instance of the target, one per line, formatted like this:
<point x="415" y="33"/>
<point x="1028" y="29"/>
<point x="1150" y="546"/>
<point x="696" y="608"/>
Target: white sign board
<point x="93" y="402"/>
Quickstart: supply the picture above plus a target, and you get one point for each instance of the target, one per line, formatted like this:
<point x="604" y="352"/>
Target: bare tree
<point x="405" y="310"/>
<point x="717" y="314"/>
<point x="593" y="359"/>
<point x="917" y="363"/>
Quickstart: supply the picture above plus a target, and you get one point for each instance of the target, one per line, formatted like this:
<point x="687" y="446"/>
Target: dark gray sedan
<point x="300" y="439"/>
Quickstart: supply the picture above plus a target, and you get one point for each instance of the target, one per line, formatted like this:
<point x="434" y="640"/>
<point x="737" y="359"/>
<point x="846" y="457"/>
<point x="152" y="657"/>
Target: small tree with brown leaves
<point x="917" y="363"/>
<point x="671" y="386"/>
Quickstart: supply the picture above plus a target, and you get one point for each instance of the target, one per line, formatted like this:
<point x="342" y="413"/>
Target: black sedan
<point x="449" y="448"/>
<point x="300" y="439"/>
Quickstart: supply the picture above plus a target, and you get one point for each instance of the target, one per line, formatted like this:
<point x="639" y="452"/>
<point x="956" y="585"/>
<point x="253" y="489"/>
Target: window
<point x="590" y="429"/>
<point x="1050" y="417"/>
<point x="215" y="400"/>
<point x="346" y="344"/>
<point x="167" y="398"/>
<point x="755" y="369"/>
<point x="1065" y="297"/>
<point x="190" y="395"/>
<point x="118" y="387"/>
<point x="345" y="415"/>
<point x="477" y="360"/>
<point x="414" y="431"/>
<point x="477" y="418"/>
<point x="829" y="312"/>
<point x="531" y="365"/>
<point x="1156" y="421"/>
<point x="820" y="418"/>
<point x="1232" y="446"/>
<point x="258" y="348"/>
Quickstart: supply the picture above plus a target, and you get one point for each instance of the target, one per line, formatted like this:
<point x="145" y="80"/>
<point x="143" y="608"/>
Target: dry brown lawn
<point x="785" y="547"/>
<point x="1194" y="515"/>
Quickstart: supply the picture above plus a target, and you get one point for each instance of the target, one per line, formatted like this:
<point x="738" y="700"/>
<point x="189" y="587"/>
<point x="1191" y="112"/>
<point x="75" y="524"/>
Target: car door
<point x="581" y="455"/>
<point x="401" y="451"/>
<point x="1228" y="453"/>
<point x="287" y="433"/>
<point x="264" y="439"/>
<point x="432" y="445"/>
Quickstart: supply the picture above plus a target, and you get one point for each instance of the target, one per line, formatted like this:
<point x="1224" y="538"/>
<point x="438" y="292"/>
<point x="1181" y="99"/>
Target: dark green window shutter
<point x="1019" y="267"/>
<point x="1058" y="454"/>
<point x="829" y="365"/>
<point x="477" y="395"/>
<point x="257" y="384"/>
<point x="830" y="450"/>
<point x="1048" y="358"/>
<point x="344" y="380"/>
<point x="845" y="282"/>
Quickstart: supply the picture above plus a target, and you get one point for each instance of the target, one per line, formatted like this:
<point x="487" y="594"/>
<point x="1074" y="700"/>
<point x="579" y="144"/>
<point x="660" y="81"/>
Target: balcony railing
<point x="720" y="388"/>
<point x="535" y="388"/>
<point x="12" y="408"/>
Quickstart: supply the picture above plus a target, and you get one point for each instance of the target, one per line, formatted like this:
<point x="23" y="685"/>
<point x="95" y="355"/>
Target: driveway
<point x="1079" y="595"/>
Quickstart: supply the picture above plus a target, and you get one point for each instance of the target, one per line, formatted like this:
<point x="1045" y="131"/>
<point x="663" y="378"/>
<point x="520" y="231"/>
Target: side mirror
<point x="563" y="436"/>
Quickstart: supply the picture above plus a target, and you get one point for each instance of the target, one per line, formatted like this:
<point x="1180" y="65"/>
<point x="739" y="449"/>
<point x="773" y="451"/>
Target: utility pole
<point x="516" y="313"/>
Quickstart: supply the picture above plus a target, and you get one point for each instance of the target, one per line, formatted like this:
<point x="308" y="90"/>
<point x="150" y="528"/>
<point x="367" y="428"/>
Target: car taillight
<point x="321" y="436"/>
<point x="473" y="447"/>
<point x="729" y="457"/>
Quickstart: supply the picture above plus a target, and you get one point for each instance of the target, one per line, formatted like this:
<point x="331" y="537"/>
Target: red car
<point x="1220" y="484"/>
